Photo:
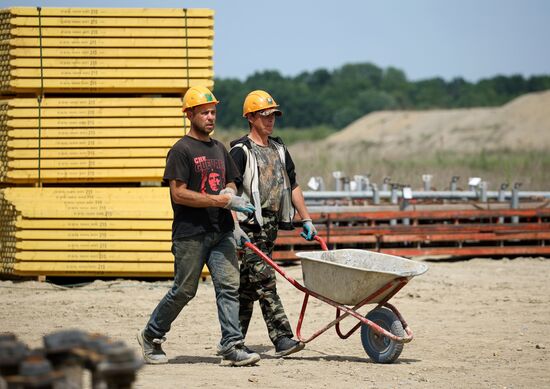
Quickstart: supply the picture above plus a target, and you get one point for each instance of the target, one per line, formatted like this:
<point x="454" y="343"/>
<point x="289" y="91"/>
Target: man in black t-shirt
<point x="201" y="176"/>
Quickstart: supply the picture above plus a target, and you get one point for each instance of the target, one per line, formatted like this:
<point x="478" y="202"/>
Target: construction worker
<point x="202" y="232"/>
<point x="268" y="181"/>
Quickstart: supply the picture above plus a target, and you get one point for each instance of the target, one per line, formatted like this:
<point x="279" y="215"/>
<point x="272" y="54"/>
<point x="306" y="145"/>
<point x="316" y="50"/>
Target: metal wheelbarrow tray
<point x="350" y="277"/>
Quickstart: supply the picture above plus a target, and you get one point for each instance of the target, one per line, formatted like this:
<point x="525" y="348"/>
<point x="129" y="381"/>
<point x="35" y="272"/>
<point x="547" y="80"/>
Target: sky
<point x="472" y="39"/>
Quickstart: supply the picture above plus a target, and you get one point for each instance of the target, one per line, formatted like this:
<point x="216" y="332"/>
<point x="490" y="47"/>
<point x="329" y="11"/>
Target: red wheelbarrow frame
<point x="394" y="286"/>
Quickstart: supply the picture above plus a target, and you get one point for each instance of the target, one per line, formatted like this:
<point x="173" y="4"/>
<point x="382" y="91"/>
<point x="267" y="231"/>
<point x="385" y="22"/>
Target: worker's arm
<point x="239" y="235"/>
<point x="309" y="230"/>
<point x="299" y="203"/>
<point x="182" y="195"/>
<point x="232" y="186"/>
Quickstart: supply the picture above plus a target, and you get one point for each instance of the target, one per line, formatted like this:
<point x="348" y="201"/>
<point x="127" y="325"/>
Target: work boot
<point x="239" y="356"/>
<point x="285" y="346"/>
<point x="152" y="349"/>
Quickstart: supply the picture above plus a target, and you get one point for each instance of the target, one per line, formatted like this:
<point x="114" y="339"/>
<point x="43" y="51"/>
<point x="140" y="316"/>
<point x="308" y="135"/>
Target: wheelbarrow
<point x="348" y="279"/>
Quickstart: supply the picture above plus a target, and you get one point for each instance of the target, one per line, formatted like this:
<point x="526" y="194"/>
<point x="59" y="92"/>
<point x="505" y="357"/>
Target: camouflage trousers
<point x="258" y="282"/>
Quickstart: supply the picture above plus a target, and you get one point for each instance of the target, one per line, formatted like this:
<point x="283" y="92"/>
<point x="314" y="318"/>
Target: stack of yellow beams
<point x="105" y="50"/>
<point x="86" y="232"/>
<point x="87" y="139"/>
<point x="57" y="126"/>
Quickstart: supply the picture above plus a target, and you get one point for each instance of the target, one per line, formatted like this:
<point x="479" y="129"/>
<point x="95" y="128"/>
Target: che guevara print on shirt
<point x="212" y="172"/>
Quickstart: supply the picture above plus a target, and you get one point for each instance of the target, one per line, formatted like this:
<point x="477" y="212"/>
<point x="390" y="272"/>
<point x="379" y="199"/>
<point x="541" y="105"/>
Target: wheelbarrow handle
<point x="322" y="242"/>
<point x="278" y="268"/>
<point x="272" y="263"/>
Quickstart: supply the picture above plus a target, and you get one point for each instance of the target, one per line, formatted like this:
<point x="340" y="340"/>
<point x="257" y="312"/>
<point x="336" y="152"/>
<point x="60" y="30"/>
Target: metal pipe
<point x="394" y="200"/>
<point x="404" y="205"/>
<point x="407" y="195"/>
<point x="361" y="183"/>
<point x="394" y="195"/>
<point x="346" y="184"/>
<point x="501" y="198"/>
<point x="427" y="180"/>
<point x="385" y="194"/>
<point x="453" y="184"/>
<point x="502" y="193"/>
<point x="338" y="179"/>
<point x="483" y="191"/>
<point x="385" y="183"/>
<point x="514" y="202"/>
<point x="375" y="194"/>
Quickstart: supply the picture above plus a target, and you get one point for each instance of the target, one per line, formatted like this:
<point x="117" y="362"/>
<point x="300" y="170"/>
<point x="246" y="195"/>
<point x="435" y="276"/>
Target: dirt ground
<point x="477" y="323"/>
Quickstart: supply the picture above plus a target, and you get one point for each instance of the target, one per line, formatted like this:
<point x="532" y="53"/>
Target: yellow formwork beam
<point x="96" y="122"/>
<point x="175" y="33"/>
<point x="90" y="212"/>
<point x="96" y="85"/>
<point x="124" y="63"/>
<point x="98" y="43"/>
<point x="78" y="52"/>
<point x="76" y="224"/>
<point x="38" y="245"/>
<point x="123" y="199"/>
<point x="85" y="175"/>
<point x="89" y="153"/>
<point x="94" y="256"/>
<point x="119" y="163"/>
<point x="139" y="269"/>
<point x="89" y="204"/>
<point x="94" y="102"/>
<point x="91" y="143"/>
<point x="93" y="112"/>
<point x="88" y="235"/>
<point x="112" y="12"/>
<point x="26" y="21"/>
<point x="76" y="132"/>
<point x="126" y="206"/>
<point x="13" y="194"/>
<point x="109" y="73"/>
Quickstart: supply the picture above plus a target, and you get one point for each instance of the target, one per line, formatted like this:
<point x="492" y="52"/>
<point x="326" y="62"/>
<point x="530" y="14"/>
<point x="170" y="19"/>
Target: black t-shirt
<point x="205" y="167"/>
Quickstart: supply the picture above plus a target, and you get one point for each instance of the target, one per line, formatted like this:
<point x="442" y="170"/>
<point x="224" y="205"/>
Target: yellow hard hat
<point x="259" y="100"/>
<point x="198" y="95"/>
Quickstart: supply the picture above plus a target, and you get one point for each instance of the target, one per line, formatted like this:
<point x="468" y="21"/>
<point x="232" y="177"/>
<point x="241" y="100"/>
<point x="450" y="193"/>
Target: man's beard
<point x="203" y="129"/>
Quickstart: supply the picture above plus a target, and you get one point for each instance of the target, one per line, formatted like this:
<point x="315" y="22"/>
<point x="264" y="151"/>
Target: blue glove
<point x="239" y="235"/>
<point x="308" y="229"/>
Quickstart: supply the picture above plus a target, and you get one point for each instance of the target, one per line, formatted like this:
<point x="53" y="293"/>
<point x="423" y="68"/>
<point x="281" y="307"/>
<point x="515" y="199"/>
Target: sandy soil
<point x="477" y="323"/>
<point x="444" y="143"/>
<point x="522" y="124"/>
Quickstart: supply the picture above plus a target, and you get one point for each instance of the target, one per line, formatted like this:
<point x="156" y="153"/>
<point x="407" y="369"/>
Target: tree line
<point x="336" y="98"/>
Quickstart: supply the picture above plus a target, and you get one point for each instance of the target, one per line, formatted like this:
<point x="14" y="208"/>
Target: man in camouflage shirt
<point x="268" y="181"/>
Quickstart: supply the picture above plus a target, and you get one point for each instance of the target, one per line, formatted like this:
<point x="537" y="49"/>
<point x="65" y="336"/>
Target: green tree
<point x="336" y="98"/>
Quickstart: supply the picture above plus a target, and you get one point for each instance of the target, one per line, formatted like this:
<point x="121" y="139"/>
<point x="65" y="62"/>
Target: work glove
<point x="308" y="229"/>
<point x="237" y="203"/>
<point x="240" y="236"/>
<point x="228" y="190"/>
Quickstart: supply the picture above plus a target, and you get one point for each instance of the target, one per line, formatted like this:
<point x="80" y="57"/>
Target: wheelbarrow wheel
<point x="379" y="348"/>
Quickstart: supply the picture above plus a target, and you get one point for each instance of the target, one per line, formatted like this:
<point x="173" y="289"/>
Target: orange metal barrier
<point x="430" y="232"/>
